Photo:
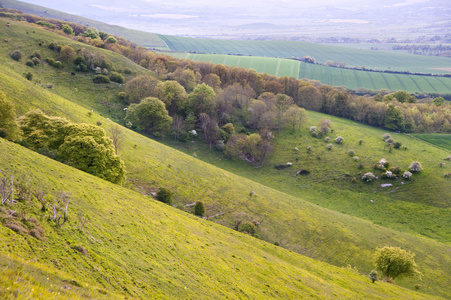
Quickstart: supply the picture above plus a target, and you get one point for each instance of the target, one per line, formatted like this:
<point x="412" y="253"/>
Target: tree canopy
<point x="149" y="115"/>
<point x="395" y="262"/>
<point x="9" y="128"/>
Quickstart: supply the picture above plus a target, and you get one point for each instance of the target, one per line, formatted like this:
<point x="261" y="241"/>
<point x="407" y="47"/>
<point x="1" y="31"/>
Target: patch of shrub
<point x="247" y="227"/>
<point x="28" y="76"/>
<point x="36" y="61"/>
<point x="281" y="166"/>
<point x="407" y="175"/>
<point x="388" y="174"/>
<point x="351" y="152"/>
<point x="397" y="145"/>
<point x="356" y="158"/>
<point x="386" y="136"/>
<point x="326" y="139"/>
<point x="101" y="79"/>
<point x="37" y="232"/>
<point x="116" y="77"/>
<point x="16" y="55"/>
<point x="29" y="63"/>
<point x="80" y="249"/>
<point x="329" y="146"/>
<point x="415" y="166"/>
<point x="395" y="170"/>
<point x="367" y="177"/>
<point x="448" y="158"/>
<point x="339" y="139"/>
<point x="17" y="228"/>
<point x="127" y="71"/>
<point x="165" y="195"/>
<point x="199" y="208"/>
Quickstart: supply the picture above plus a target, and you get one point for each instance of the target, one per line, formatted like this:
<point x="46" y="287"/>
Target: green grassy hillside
<point x="142" y="38"/>
<point x="353" y="79"/>
<point x="138" y="247"/>
<point x="322" y="53"/>
<point x="298" y="225"/>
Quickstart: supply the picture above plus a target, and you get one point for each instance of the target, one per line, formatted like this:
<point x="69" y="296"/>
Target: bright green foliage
<point x="16" y="55"/>
<point x="149" y="115"/>
<point x="165" y="195"/>
<point x="8" y="123"/>
<point x="86" y="147"/>
<point x="247" y="227"/>
<point x="394" y="119"/>
<point x="199" y="208"/>
<point x="83" y="146"/>
<point x="394" y="262"/>
<point x="438" y="101"/>
<point x="67" y="29"/>
<point x="173" y="95"/>
<point x="111" y="39"/>
<point x="101" y="79"/>
<point x="202" y="99"/>
<point x="116" y="77"/>
<point x="401" y="96"/>
<point x="373" y="276"/>
<point x="91" y="32"/>
<point x="42" y="131"/>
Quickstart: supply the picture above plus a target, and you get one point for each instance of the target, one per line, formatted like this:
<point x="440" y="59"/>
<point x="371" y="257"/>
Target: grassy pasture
<point x="285" y="49"/>
<point x="353" y="79"/>
<point x="284" y="218"/>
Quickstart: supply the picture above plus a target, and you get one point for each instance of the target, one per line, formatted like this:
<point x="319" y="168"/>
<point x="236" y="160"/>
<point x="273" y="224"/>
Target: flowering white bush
<point x="312" y="128"/>
<point x="289" y="164"/>
<point x="368" y="177"/>
<point x="327" y="139"/>
<point x="389" y="174"/>
<point x="193" y="132"/>
<point x="329" y="146"/>
<point x="415" y="166"/>
<point x="309" y="148"/>
<point x="356" y="158"/>
<point x="386" y="136"/>
<point x="382" y="161"/>
<point x="407" y="175"/>
<point x="339" y="139"/>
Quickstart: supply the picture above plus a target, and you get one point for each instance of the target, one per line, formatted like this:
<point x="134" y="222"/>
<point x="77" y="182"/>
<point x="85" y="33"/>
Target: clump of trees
<point x="85" y="147"/>
<point x="9" y="128"/>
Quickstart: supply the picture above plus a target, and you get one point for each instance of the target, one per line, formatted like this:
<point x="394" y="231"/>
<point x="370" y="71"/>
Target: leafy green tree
<point x="202" y="99"/>
<point x="247" y="227"/>
<point x="92" y="32"/>
<point x="394" y="119"/>
<point x="139" y="88"/>
<point x="173" y="95"/>
<point x="438" y="101"/>
<point x="165" y="195"/>
<point x="395" y="262"/>
<point x="199" y="208"/>
<point x="149" y="115"/>
<point x="87" y="148"/>
<point x="67" y="29"/>
<point x="401" y="96"/>
<point x="282" y="103"/>
<point x="296" y="116"/>
<point x="9" y="129"/>
<point x="41" y="131"/>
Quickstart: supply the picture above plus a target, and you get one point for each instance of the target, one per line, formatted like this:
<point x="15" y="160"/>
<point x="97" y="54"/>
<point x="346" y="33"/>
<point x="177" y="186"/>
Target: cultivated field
<point x="352" y="79"/>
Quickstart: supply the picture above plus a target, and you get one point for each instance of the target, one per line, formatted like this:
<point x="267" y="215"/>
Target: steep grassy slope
<point x="142" y="248"/>
<point x="142" y="38"/>
<point x="322" y="53"/>
<point x="292" y="222"/>
<point x="353" y="79"/>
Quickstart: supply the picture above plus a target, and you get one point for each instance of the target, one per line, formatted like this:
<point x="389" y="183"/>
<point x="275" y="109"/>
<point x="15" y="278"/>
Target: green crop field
<point x="352" y="79"/>
<point x="439" y="140"/>
<point x="144" y="249"/>
<point x="377" y="60"/>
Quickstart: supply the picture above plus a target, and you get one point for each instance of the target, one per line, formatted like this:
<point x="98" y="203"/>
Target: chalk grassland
<point x="141" y="248"/>
<point x="353" y="79"/>
<point x="352" y="57"/>
<point x="294" y="223"/>
<point x="145" y="39"/>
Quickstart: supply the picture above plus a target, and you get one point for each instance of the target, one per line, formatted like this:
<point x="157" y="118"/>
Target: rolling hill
<point x="285" y="218"/>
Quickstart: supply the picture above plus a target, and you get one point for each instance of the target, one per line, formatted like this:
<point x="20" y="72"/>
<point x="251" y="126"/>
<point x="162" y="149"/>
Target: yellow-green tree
<point x="395" y="262"/>
<point x="9" y="128"/>
<point x="149" y="115"/>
